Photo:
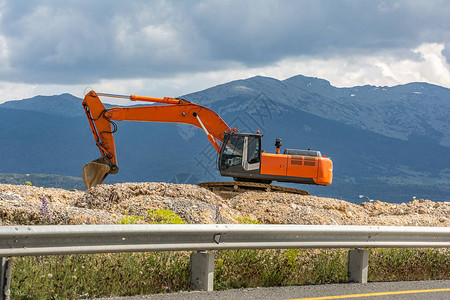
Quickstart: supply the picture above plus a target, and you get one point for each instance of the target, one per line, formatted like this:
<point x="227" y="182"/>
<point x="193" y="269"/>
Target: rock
<point x="422" y="211"/>
<point x="8" y="195"/>
<point x="342" y="207"/>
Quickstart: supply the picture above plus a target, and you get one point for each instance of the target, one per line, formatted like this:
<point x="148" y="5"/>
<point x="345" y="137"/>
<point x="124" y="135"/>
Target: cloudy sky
<point x="171" y="48"/>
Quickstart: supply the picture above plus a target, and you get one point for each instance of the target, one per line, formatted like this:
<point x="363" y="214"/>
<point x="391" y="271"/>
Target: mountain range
<point x="387" y="143"/>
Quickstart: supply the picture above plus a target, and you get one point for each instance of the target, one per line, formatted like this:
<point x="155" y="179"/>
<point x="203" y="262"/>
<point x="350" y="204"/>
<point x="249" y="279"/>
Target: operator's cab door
<point x="251" y="159"/>
<point x="240" y="155"/>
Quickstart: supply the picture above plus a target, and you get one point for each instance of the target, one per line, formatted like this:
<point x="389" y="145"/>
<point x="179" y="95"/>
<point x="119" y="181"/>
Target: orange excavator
<point x="240" y="154"/>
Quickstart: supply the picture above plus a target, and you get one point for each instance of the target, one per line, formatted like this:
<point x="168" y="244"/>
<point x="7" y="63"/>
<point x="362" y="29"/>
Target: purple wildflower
<point x="46" y="217"/>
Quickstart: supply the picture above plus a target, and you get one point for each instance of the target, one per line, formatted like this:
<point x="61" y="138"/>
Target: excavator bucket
<point x="95" y="172"/>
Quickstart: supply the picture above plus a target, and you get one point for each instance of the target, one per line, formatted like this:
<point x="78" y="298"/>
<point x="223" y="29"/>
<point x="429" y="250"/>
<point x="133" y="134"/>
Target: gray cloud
<point x="276" y="29"/>
<point x="78" y="42"/>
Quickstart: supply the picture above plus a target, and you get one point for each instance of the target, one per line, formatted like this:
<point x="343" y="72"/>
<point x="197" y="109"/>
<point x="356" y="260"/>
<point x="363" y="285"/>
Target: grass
<point x="75" y="276"/>
<point x="265" y="268"/>
<point x="126" y="274"/>
<point x="412" y="264"/>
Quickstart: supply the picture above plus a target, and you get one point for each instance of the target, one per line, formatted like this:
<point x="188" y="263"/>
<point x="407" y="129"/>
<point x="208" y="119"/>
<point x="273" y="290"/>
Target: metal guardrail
<point x="74" y="239"/>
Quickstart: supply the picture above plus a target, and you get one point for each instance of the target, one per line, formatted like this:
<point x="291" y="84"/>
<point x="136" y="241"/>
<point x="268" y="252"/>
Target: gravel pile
<point x="273" y="208"/>
<point x="28" y="205"/>
<point x="109" y="204"/>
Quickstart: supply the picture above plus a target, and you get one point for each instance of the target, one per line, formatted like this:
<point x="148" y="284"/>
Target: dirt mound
<point x="109" y="204"/>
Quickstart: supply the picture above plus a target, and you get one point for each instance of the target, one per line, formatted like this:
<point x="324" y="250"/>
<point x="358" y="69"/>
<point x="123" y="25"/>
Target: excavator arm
<point x="174" y="110"/>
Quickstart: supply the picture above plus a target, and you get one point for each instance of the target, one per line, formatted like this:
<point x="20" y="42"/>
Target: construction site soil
<point x="111" y="204"/>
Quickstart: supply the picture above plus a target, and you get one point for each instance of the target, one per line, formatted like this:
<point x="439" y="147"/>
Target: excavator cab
<point x="240" y="155"/>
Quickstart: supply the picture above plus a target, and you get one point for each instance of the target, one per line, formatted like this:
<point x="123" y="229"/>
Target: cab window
<point x="232" y="154"/>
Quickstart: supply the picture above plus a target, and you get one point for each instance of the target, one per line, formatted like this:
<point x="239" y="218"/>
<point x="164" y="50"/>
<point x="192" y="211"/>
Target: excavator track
<point x="229" y="189"/>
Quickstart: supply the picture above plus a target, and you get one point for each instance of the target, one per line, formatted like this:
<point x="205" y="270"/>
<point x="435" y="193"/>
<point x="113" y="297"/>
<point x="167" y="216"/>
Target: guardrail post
<point x="5" y="278"/>
<point x="202" y="271"/>
<point x="358" y="265"/>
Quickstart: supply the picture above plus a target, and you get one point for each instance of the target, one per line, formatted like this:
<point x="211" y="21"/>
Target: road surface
<point x="430" y="290"/>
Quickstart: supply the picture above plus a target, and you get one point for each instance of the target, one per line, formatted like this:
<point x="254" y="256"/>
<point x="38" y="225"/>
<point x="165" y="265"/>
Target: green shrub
<point x="245" y="220"/>
<point x="291" y="256"/>
<point x="131" y="220"/>
<point x="163" y="216"/>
